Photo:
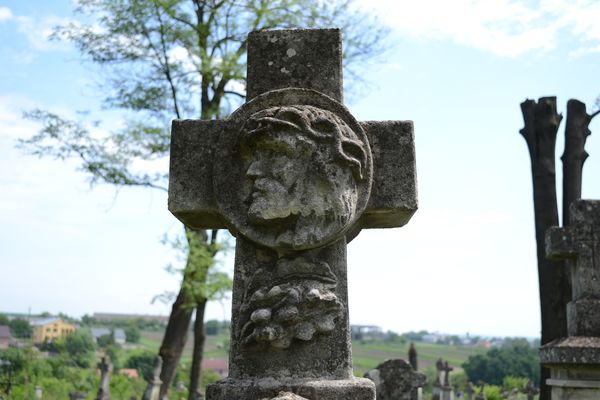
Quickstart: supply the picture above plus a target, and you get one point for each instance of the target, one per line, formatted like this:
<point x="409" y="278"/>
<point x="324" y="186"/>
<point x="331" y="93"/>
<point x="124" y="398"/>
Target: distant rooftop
<point x="118" y="316"/>
<point x="4" y="331"/>
<point x="44" y="321"/>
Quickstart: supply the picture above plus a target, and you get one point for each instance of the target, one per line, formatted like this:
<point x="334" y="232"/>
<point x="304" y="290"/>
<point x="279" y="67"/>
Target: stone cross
<point x="294" y="176"/>
<point x="580" y="244"/>
<point x="447" y="368"/>
<point x="530" y="390"/>
<point x="469" y="391"/>
<point x="396" y="380"/>
<point x="152" y="391"/>
<point x="105" y="367"/>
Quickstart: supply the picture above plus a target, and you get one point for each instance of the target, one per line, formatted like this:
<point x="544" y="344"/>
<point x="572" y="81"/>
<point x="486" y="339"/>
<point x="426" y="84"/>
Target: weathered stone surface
<point x="300" y="161"/>
<point x="576" y="350"/>
<point x="396" y="380"/>
<point x="575" y="361"/>
<point x="580" y="244"/>
<point x="293" y="176"/>
<point x="152" y="391"/>
<point x="392" y="202"/>
<point x="303" y="58"/>
<point x="288" y="396"/>
<point x="253" y="389"/>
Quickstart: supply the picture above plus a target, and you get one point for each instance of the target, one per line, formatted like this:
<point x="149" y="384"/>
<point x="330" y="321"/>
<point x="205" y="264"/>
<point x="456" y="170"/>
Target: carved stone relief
<point x="303" y="168"/>
<point x="295" y="301"/>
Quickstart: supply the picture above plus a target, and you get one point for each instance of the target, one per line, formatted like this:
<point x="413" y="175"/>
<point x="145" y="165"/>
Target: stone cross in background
<point x="396" y="380"/>
<point x="106" y="368"/>
<point x="152" y="391"/>
<point x="469" y="391"/>
<point x="574" y="361"/>
<point x="412" y="357"/>
<point x="294" y="177"/>
<point x="530" y="390"/>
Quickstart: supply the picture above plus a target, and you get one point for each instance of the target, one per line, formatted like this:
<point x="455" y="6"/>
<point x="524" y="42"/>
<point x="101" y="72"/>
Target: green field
<point x="366" y="355"/>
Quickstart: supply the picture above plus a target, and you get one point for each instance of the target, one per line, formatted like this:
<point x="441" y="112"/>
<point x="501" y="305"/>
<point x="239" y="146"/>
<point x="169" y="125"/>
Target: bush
<point x="20" y="328"/>
<point x="515" y="358"/>
<point x="143" y="362"/>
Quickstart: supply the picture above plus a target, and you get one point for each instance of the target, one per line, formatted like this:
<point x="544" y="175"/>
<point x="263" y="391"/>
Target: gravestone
<point x="469" y="391"/>
<point x="530" y="390"/>
<point x="152" y="391"/>
<point x="105" y="368"/>
<point x="446" y="393"/>
<point x="412" y="357"/>
<point x="481" y="395"/>
<point x="438" y="385"/>
<point x="574" y="361"/>
<point x="396" y="380"/>
<point x="294" y="177"/>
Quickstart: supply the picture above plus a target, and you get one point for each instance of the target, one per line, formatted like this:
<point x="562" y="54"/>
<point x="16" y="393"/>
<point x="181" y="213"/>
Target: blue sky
<point x="465" y="263"/>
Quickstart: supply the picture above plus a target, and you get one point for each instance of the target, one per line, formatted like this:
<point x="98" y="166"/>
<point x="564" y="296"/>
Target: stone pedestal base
<point x="266" y="389"/>
<point x="574" y="365"/>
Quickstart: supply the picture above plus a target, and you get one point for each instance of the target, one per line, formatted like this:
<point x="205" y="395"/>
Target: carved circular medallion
<point x="296" y="171"/>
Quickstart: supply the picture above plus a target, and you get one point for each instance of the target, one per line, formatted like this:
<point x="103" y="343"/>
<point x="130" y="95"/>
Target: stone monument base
<point x="268" y="388"/>
<point x="574" y="365"/>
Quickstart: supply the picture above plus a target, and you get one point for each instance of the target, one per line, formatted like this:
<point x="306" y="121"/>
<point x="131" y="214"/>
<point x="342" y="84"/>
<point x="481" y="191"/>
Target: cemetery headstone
<point x="105" y="368"/>
<point x="152" y="391"/>
<point x="481" y="395"/>
<point x="396" y="380"/>
<point x="469" y="391"/>
<point x="574" y="361"/>
<point x="38" y="392"/>
<point x="412" y="357"/>
<point x="294" y="177"/>
<point x="530" y="390"/>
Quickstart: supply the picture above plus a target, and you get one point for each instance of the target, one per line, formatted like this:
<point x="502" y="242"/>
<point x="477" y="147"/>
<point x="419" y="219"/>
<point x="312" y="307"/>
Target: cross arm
<point x="394" y="191"/>
<point x="560" y="243"/>
<point x="191" y="197"/>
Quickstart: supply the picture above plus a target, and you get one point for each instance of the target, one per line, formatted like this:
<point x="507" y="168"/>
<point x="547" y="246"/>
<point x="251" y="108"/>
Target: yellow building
<point x="50" y="329"/>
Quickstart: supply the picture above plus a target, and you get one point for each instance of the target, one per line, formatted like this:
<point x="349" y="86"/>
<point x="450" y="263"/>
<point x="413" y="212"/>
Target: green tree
<point x="79" y="346"/>
<point x="167" y="59"/>
<point x="132" y="334"/>
<point x="4" y="320"/>
<point x="20" y="328"/>
<point x="516" y="358"/>
<point x="143" y="362"/>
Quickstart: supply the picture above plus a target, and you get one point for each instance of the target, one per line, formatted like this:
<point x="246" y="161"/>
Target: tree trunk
<point x="174" y="339"/>
<point x="181" y="313"/>
<point x="576" y="133"/>
<point x="199" y="337"/>
<point x="541" y="126"/>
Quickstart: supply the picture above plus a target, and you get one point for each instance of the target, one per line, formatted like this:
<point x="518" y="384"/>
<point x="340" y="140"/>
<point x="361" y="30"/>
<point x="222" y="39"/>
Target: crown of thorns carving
<point x="316" y="124"/>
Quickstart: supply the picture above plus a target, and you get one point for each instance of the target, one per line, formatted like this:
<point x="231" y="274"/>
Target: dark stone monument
<point x="294" y="177"/>
<point x="574" y="361"/>
<point x="469" y="391"/>
<point x="412" y="357"/>
<point x="105" y="368"/>
<point x="152" y="391"/>
<point x="531" y="391"/>
<point x="396" y="380"/>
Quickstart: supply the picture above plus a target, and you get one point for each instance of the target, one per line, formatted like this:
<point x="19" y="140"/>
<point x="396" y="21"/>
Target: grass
<point x="366" y="355"/>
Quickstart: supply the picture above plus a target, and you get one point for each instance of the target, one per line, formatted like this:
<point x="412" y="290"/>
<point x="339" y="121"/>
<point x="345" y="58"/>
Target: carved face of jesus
<point x="302" y="188"/>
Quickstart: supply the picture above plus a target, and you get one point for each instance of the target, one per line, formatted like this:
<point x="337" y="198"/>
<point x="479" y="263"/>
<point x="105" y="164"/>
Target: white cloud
<point x="504" y="27"/>
<point x="5" y="14"/>
<point x="38" y="31"/>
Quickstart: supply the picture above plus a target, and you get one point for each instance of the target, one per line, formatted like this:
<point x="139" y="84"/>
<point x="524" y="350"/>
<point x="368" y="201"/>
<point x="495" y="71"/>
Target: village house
<point x="50" y="329"/>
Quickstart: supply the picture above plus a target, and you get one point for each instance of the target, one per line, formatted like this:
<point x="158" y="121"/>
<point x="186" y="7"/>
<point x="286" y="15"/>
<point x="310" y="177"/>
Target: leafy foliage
<point x="132" y="334"/>
<point x="79" y="346"/>
<point x="143" y="362"/>
<point x="20" y="328"/>
<point x="515" y="358"/>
